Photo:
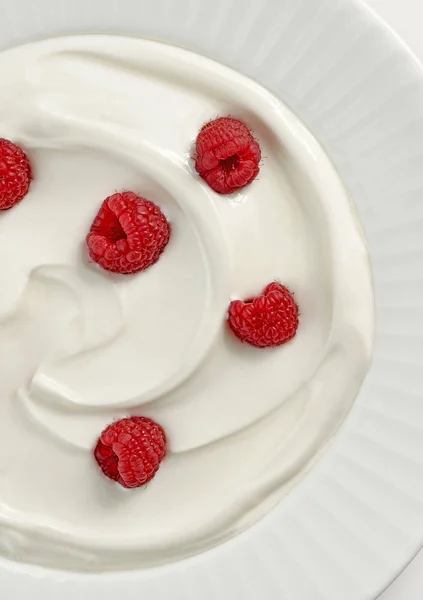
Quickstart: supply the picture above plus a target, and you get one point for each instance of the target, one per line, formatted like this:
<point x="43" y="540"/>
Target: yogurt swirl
<point x="80" y="347"/>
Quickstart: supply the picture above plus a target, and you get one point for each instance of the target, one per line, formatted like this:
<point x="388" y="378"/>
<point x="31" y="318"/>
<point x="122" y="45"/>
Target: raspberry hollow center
<point x="111" y="227"/>
<point x="231" y="163"/>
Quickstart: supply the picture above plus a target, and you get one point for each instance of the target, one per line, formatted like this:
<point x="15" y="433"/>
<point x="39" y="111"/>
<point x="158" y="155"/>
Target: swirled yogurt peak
<point x="80" y="347"/>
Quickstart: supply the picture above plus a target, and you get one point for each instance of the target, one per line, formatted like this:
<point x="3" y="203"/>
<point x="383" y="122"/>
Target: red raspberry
<point x="128" y="234"/>
<point x="130" y="451"/>
<point x="15" y="174"/>
<point x="228" y="156"/>
<point x="266" y="321"/>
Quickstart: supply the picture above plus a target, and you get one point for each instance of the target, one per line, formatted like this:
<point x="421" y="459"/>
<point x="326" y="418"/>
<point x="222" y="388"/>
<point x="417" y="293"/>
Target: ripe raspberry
<point x="130" y="451"/>
<point x="266" y="321"/>
<point x="228" y="156"/>
<point x="15" y="174"/>
<point x="128" y="234"/>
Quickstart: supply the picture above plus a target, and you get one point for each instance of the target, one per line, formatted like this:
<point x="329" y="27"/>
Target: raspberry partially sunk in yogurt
<point x="15" y="174"/>
<point x="130" y="451"/>
<point x="128" y="234"/>
<point x="228" y="156"/>
<point x="265" y="321"/>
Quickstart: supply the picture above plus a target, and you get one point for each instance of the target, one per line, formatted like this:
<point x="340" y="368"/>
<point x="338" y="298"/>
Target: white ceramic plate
<point x="356" y="520"/>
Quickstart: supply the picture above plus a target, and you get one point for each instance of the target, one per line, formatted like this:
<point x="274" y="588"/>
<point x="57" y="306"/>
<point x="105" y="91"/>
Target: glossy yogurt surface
<point x="80" y="347"/>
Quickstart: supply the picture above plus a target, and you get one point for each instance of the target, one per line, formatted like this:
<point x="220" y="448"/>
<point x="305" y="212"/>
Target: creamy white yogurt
<point x="80" y="347"/>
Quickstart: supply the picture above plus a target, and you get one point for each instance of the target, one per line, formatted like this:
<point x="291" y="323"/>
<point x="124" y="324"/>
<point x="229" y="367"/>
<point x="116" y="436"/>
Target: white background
<point x="406" y="17"/>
